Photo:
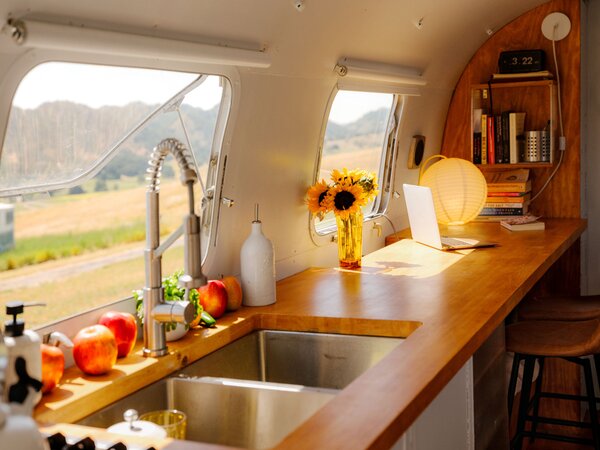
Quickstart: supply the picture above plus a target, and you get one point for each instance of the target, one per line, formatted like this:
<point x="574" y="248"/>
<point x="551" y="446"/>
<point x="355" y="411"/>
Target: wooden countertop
<point x="445" y="303"/>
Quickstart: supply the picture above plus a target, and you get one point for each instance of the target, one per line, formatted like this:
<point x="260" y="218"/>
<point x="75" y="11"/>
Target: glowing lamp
<point x="458" y="187"/>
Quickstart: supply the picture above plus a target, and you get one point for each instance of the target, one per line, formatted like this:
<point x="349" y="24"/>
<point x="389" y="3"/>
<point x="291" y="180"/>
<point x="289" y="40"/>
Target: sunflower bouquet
<point x="348" y="192"/>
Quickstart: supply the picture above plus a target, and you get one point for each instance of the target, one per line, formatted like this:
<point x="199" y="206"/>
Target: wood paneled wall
<point x="562" y="197"/>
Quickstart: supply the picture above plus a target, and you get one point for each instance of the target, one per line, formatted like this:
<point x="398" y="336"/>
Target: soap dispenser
<point x="24" y="366"/>
<point x="257" y="267"/>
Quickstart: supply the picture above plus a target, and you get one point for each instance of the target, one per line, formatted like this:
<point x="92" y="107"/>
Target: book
<point x="530" y="226"/>
<point x="528" y="222"/>
<point x="495" y="218"/>
<point x="487" y="211"/>
<point x="476" y="156"/>
<point x="540" y="75"/>
<point x="504" y="205"/>
<point x="491" y="152"/>
<point x="518" y="198"/>
<point x="516" y="180"/>
<point x="498" y="139"/>
<point x="516" y="141"/>
<point x="476" y="148"/>
<point x="507" y="176"/>
<point x="484" y="159"/>
<point x="507" y="194"/>
<point x="506" y="137"/>
<point x="504" y="188"/>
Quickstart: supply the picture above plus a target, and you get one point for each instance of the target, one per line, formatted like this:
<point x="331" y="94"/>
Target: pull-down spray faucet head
<point x="156" y="312"/>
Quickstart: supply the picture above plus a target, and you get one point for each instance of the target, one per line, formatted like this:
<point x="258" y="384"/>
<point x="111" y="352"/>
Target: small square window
<point x="356" y="137"/>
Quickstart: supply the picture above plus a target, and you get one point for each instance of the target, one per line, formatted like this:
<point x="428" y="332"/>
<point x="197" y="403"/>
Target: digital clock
<point x="521" y="61"/>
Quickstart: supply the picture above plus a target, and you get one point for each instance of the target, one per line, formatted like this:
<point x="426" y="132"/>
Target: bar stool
<point x="533" y="341"/>
<point x="560" y="308"/>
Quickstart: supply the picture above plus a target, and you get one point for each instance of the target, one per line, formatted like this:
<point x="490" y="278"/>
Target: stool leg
<point x="524" y="402"/>
<point x="589" y="387"/>
<point x="512" y="383"/>
<point x="536" y="397"/>
<point x="597" y="366"/>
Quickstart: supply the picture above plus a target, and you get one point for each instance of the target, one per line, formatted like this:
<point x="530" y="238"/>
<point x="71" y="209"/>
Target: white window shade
<point x="44" y="35"/>
<point x="368" y="76"/>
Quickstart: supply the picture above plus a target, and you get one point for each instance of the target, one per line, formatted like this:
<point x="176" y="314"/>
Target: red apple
<point x="53" y="366"/>
<point x="123" y="327"/>
<point x="213" y="298"/>
<point x="234" y="292"/>
<point x="95" y="350"/>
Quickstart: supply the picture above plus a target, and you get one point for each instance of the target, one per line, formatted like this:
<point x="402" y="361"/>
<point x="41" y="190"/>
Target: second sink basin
<point x="222" y="411"/>
<point x="311" y="359"/>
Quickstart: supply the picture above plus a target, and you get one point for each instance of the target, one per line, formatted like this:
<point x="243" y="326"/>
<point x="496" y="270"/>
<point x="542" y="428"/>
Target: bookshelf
<point x="536" y="98"/>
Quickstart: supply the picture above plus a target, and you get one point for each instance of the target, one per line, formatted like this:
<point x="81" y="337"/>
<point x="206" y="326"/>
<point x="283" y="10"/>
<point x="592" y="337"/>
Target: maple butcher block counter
<point x="446" y="304"/>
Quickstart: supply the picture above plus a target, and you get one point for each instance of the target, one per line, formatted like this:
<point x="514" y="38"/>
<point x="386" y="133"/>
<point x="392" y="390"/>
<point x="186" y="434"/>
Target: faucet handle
<point x="180" y="312"/>
<point x="189" y="282"/>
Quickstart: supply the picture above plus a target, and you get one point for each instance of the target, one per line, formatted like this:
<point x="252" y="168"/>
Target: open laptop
<point x="423" y="222"/>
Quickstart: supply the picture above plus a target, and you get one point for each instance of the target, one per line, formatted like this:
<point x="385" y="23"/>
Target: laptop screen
<point x="421" y="215"/>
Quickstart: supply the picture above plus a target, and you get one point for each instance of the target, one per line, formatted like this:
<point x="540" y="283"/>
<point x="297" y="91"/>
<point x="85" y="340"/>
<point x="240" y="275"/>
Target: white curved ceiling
<point x="306" y="43"/>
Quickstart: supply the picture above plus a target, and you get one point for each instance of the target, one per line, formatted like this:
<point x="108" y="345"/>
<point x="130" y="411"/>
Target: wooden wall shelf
<point x="490" y="167"/>
<point x="514" y="84"/>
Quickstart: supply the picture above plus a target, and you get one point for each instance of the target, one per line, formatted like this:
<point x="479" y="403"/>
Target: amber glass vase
<point x="350" y="240"/>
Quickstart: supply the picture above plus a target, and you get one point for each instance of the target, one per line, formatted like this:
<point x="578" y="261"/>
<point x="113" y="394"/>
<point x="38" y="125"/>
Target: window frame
<point x="389" y="156"/>
<point x="226" y="118"/>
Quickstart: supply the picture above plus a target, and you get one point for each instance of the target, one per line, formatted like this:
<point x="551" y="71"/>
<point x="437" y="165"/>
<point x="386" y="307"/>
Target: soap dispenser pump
<point x="24" y="368"/>
<point x="257" y="267"/>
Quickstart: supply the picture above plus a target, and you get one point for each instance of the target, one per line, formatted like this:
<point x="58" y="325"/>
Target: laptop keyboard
<point x="452" y="242"/>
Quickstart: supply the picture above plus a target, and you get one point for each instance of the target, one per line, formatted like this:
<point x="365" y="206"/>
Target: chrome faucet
<point x="157" y="312"/>
<point x="3" y="365"/>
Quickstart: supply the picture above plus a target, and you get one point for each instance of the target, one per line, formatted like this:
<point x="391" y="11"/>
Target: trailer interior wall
<point x="275" y="136"/>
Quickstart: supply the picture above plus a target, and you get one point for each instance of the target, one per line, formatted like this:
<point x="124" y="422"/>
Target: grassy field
<point x="71" y="295"/>
<point x="59" y="231"/>
<point x="39" y="249"/>
<point x="58" y="227"/>
<point x="96" y="211"/>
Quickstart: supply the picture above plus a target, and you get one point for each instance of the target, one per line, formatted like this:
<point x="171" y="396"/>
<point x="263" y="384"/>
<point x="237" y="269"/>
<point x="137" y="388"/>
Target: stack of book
<point x="498" y="139"/>
<point x="509" y="193"/>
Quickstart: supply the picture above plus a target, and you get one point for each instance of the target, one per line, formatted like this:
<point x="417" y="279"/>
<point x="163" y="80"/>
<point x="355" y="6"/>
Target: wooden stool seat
<point x="552" y="338"/>
<point x="560" y="308"/>
<point x="534" y="340"/>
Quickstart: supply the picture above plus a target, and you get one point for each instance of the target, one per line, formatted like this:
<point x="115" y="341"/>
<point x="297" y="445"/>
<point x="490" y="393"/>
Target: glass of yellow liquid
<point x="173" y="421"/>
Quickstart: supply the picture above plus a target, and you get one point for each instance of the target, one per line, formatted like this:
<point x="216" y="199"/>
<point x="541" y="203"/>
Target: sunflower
<point x="345" y="199"/>
<point x="315" y="198"/>
<point x="344" y="177"/>
<point x="368" y="181"/>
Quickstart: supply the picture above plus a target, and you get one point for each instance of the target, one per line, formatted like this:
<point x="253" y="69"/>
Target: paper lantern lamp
<point x="458" y="187"/>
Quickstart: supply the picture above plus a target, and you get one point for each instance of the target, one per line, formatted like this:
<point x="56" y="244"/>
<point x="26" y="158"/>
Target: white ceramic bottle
<point x="258" y="267"/>
<point x="24" y="365"/>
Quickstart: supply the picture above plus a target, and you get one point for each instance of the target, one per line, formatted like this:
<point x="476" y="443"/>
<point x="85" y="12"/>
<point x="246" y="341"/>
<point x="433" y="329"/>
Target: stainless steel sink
<point x="221" y="411"/>
<point x="256" y="390"/>
<point x="311" y="359"/>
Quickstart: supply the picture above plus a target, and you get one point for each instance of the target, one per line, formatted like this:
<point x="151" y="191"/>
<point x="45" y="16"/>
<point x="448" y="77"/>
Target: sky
<point x="97" y="86"/>
<point x="350" y="105"/>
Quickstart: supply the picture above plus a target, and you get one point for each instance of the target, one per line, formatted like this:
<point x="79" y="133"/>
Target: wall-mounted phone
<point x="416" y="151"/>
